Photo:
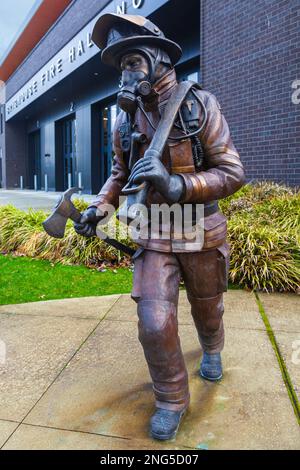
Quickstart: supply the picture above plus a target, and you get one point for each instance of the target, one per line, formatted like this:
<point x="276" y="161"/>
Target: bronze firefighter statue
<point x="196" y="163"/>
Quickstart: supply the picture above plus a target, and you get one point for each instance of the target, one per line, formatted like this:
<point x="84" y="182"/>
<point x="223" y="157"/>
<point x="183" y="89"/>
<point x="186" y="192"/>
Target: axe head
<point x="55" y="225"/>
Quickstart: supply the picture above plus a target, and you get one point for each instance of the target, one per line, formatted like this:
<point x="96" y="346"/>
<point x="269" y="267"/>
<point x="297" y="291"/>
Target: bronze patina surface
<point x="199" y="164"/>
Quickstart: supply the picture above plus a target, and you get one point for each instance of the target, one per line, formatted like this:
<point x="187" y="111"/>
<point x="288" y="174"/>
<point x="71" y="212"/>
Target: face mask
<point x="135" y="86"/>
<point x="129" y="90"/>
<point x="139" y="86"/>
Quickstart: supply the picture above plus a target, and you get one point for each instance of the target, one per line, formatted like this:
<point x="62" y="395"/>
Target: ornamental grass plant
<point x="263" y="231"/>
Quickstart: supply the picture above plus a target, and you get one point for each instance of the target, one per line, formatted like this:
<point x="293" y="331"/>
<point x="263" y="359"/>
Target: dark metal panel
<point x="34" y="159"/>
<point x="180" y="21"/>
<point x="59" y="167"/>
<point x="96" y="143"/>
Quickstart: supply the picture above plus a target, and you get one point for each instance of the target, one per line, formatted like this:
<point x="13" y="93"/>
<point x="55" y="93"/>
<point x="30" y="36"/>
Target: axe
<point x="55" y="225"/>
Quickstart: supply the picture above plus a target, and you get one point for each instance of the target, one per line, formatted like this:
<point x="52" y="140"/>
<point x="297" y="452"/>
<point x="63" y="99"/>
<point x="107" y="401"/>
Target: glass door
<point x="108" y="118"/>
<point x="69" y="152"/>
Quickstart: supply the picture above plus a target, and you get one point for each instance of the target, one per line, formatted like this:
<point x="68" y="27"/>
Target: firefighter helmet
<point x="115" y="34"/>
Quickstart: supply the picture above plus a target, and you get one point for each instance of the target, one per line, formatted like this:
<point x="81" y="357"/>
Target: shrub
<point x="249" y="195"/>
<point x="263" y="231"/>
<point x="22" y="232"/>
<point x="263" y="257"/>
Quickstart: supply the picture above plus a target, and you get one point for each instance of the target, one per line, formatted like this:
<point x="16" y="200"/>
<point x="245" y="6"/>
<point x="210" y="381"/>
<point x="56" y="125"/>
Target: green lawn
<point x="28" y="280"/>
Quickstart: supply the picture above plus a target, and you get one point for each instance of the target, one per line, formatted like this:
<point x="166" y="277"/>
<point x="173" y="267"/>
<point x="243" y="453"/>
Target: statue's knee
<point x="211" y="326"/>
<point x="208" y="313"/>
<point x="156" y="320"/>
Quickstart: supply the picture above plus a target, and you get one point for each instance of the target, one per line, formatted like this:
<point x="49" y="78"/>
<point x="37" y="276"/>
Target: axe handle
<point x="115" y="243"/>
<point x="76" y="216"/>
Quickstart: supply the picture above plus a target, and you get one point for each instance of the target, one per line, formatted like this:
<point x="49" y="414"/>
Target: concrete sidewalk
<point x="74" y="377"/>
<point x="38" y="200"/>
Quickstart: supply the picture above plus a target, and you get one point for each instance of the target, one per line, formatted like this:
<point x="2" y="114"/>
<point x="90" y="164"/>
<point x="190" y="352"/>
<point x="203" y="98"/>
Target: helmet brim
<point x="111" y="55"/>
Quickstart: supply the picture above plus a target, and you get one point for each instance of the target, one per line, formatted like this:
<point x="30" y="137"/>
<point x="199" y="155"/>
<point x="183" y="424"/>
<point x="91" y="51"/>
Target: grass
<point x="28" y="280"/>
<point x="263" y="232"/>
<point x="25" y="280"/>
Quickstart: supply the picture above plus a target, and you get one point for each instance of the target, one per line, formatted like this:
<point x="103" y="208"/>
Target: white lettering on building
<point x="53" y="70"/>
<point x="80" y="49"/>
<point x="137" y="3"/>
<point x="49" y="74"/>
<point x="122" y="7"/>
<point x="89" y="40"/>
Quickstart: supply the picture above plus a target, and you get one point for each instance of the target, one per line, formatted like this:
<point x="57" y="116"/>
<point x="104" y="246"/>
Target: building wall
<point x="76" y="16"/>
<point x="16" y="146"/>
<point x="2" y="145"/>
<point x="251" y="57"/>
<point x="85" y="90"/>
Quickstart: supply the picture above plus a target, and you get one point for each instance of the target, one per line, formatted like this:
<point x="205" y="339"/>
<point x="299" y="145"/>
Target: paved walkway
<point x="74" y="377"/>
<point x="33" y="199"/>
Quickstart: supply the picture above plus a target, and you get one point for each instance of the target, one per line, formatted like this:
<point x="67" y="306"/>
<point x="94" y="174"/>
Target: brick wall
<point x="251" y="56"/>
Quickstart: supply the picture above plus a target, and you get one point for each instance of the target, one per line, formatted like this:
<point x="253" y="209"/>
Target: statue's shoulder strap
<point x="192" y="108"/>
<point x="169" y="115"/>
<point x="125" y="133"/>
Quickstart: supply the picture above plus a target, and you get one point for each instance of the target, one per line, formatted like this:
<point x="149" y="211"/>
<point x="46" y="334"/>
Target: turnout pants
<point x="156" y="288"/>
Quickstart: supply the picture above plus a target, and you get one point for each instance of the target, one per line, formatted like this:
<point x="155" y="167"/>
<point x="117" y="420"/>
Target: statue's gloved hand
<point x="89" y="221"/>
<point x="151" y="169"/>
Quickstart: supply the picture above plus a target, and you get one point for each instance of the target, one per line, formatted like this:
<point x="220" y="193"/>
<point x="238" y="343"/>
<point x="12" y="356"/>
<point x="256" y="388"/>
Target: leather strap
<point x="210" y="208"/>
<point x="169" y="115"/>
<point x="161" y="136"/>
<point x="115" y="243"/>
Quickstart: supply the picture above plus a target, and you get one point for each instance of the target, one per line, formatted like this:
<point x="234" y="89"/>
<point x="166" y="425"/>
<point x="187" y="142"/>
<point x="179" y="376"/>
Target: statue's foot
<point x="164" y="424"/>
<point x="211" y="367"/>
